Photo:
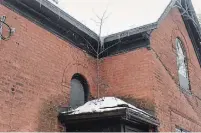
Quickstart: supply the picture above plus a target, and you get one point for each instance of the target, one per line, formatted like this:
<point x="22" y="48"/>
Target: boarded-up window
<point x="182" y="65"/>
<point x="79" y="91"/>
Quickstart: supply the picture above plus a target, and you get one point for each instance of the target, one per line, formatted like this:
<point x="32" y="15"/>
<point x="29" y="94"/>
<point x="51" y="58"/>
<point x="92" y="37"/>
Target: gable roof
<point x="49" y="16"/>
<point x="172" y="4"/>
<point x="192" y="25"/>
<point x="190" y="20"/>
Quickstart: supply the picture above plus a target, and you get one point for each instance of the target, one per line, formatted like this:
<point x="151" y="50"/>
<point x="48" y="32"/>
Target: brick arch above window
<point x="84" y="70"/>
<point x="177" y="34"/>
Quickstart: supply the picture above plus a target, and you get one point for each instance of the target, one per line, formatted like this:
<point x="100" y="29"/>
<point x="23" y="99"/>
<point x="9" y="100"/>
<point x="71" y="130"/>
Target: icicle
<point x="40" y="3"/>
<point x="59" y="14"/>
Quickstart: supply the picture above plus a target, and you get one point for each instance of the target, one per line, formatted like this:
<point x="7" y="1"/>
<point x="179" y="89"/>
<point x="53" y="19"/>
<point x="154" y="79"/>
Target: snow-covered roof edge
<point x="152" y="26"/>
<point x="67" y="17"/>
<point x="130" y="32"/>
<point x="59" y="20"/>
<point x="172" y="4"/>
<point x="105" y="104"/>
<point x="167" y="10"/>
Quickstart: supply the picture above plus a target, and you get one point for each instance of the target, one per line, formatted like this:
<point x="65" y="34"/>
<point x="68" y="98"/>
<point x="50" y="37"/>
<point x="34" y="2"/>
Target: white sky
<point x="123" y="14"/>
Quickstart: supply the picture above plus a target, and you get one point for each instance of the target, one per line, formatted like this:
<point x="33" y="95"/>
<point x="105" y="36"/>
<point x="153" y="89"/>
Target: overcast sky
<point x="123" y="14"/>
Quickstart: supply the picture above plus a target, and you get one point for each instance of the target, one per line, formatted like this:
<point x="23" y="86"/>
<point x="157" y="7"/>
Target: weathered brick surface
<point x="129" y="76"/>
<point x="149" y="78"/>
<point x="36" y="69"/>
<point x="173" y="107"/>
<point x="35" y="73"/>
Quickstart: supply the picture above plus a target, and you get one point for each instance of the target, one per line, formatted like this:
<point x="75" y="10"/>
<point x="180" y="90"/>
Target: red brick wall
<point x="149" y="79"/>
<point x="130" y="77"/>
<point x="38" y="66"/>
<point x="173" y="107"/>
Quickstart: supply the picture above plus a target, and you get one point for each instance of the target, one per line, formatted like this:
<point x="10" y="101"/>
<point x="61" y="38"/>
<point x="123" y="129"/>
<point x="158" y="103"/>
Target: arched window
<point x="79" y="91"/>
<point x="182" y="65"/>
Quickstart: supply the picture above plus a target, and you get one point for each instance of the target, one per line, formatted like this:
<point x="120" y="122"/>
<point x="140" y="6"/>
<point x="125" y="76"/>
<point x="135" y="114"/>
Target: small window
<point x="79" y="91"/>
<point x="182" y="65"/>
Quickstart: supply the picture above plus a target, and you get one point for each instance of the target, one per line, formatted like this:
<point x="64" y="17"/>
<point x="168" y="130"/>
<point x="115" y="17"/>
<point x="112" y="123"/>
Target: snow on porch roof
<point x="103" y="105"/>
<point x="104" y="108"/>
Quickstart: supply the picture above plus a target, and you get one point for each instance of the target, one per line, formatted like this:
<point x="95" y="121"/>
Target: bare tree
<point x="99" y="21"/>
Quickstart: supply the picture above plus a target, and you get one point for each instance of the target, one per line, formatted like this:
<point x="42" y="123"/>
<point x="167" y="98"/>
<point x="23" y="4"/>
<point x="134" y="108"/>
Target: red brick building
<point x="49" y="49"/>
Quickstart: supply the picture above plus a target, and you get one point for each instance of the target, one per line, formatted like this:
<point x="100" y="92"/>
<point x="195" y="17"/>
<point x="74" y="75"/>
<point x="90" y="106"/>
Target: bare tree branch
<point x="100" y="48"/>
<point x="95" y="21"/>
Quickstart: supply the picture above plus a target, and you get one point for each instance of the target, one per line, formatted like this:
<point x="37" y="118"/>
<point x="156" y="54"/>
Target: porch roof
<point x="107" y="107"/>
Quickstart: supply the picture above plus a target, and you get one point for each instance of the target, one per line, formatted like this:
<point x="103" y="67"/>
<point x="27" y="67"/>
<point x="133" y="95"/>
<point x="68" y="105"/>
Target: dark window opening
<point x="79" y="91"/>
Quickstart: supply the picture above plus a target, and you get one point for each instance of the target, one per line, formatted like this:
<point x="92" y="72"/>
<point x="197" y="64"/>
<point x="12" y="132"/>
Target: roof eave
<point x="53" y="19"/>
<point x="130" y="32"/>
<point x="61" y="14"/>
